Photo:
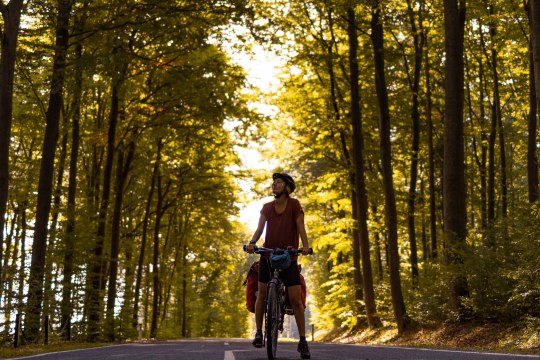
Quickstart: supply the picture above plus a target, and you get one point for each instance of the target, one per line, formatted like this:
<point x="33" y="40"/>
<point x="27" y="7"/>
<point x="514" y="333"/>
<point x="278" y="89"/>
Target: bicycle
<point x="275" y="310"/>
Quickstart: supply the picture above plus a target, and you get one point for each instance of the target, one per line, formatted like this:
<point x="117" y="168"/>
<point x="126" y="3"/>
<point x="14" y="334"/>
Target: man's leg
<point x="259" y="314"/>
<point x="259" y="305"/>
<point x="295" y="297"/>
<point x="296" y="302"/>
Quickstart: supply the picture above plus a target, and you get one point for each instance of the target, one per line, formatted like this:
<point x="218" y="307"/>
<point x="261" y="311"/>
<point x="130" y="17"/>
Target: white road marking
<point x="229" y="355"/>
<point x="226" y="344"/>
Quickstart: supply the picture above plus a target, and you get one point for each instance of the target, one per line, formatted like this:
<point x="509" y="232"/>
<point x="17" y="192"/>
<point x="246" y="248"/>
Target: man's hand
<point x="250" y="248"/>
<point x="305" y="250"/>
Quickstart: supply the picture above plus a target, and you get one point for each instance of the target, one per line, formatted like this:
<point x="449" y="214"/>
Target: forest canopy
<point x="410" y="128"/>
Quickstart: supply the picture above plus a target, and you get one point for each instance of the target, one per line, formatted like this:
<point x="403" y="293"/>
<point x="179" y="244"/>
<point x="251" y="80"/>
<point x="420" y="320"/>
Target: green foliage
<point x="178" y="86"/>
<point x="504" y="278"/>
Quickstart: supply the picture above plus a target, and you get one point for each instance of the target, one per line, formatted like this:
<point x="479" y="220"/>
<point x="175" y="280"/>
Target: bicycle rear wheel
<point x="272" y="320"/>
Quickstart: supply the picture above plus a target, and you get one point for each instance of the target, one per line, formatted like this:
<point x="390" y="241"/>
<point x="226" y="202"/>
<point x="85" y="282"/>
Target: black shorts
<point x="290" y="276"/>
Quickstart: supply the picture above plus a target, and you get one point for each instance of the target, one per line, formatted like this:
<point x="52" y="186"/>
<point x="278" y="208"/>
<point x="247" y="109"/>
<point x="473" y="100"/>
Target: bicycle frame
<point x="274" y="313"/>
<point x="274" y="309"/>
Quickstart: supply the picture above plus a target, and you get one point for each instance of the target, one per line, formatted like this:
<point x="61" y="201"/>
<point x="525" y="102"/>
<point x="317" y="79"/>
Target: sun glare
<point x="262" y="69"/>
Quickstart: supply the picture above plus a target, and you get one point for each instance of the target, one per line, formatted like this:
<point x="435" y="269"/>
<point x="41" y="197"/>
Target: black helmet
<point x="287" y="178"/>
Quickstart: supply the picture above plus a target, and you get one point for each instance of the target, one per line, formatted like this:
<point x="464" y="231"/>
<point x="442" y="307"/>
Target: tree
<point x="360" y="186"/>
<point x="11" y="14"/>
<point x="377" y="38"/>
<point x="414" y="84"/>
<point x="454" y="192"/>
<point x="122" y="172"/>
<point x="532" y="159"/>
<point x="35" y="293"/>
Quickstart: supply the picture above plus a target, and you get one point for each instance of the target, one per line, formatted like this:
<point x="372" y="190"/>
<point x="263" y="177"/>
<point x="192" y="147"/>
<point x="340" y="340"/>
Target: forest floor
<point x="507" y="338"/>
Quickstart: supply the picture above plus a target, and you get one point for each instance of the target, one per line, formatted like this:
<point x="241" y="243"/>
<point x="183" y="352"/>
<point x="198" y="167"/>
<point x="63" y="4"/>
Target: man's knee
<point x="261" y="292"/>
<point x="295" y="296"/>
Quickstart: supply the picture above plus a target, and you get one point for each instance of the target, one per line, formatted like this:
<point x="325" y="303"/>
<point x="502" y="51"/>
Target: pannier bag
<point x="252" y="284"/>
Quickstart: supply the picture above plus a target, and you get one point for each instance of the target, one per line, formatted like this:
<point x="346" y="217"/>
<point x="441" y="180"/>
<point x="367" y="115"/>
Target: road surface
<point x="241" y="349"/>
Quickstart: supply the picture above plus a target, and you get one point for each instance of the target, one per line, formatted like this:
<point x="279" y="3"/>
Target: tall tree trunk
<point x="10" y="270"/>
<point x="39" y="247"/>
<point x="377" y="38"/>
<point x="9" y="239"/>
<point x="66" y="307"/>
<point x="431" y="160"/>
<point x="146" y="219"/>
<point x="22" y="261"/>
<point x="11" y="16"/>
<point x="329" y="46"/>
<point x="454" y="194"/>
<point x="532" y="159"/>
<point x="48" y="299"/>
<point x="121" y="177"/>
<point x="160" y="211"/>
<point x="490" y="238"/>
<point x="480" y="156"/>
<point x="534" y="6"/>
<point x="498" y="113"/>
<point x="360" y="185"/>
<point x="418" y="41"/>
<point x="184" y="292"/>
<point x="96" y="277"/>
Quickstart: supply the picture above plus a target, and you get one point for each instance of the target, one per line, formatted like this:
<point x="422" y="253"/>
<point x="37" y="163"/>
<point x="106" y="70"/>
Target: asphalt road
<point x="241" y="349"/>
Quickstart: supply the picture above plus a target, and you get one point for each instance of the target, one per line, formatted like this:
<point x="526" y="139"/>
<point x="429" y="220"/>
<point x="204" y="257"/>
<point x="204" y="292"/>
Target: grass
<point x="26" y="350"/>
<point x="499" y="337"/>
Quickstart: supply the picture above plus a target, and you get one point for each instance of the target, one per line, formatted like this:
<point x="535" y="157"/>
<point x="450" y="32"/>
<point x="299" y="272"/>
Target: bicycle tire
<point x="272" y="320"/>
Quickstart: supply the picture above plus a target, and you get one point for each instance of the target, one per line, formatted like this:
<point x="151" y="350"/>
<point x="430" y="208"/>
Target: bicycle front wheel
<point x="272" y="320"/>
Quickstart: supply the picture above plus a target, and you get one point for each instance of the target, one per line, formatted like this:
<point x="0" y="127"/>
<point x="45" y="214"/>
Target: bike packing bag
<point x="252" y="284"/>
<point x="280" y="261"/>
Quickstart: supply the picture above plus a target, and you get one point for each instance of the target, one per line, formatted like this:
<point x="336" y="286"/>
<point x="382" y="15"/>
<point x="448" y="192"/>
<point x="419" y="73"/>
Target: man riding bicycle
<point x="284" y="220"/>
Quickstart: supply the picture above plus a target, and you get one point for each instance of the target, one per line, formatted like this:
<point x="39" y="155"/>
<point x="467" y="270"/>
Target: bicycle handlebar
<point x="262" y="250"/>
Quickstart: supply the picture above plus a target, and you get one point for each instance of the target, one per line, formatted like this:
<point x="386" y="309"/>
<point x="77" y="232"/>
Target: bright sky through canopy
<point x="261" y="67"/>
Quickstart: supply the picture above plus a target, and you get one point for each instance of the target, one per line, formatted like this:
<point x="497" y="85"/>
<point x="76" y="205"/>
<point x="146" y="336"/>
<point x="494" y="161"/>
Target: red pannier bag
<point x="252" y="285"/>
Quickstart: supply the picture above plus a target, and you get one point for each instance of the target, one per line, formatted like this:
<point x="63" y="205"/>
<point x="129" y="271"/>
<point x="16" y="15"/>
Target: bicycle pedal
<point x="289" y="311"/>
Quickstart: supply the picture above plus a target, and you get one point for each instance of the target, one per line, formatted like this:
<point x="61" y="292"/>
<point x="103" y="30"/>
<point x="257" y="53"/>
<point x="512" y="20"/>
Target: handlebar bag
<point x="280" y="261"/>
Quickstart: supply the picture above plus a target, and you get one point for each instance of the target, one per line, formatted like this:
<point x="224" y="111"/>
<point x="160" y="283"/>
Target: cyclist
<point x="284" y="220"/>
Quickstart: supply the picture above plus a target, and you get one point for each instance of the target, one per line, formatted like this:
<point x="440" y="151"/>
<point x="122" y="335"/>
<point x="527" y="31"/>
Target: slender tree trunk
<point x="498" y="113"/>
<point x="377" y="37"/>
<point x="534" y="21"/>
<point x="9" y="239"/>
<point x="360" y="186"/>
<point x="48" y="300"/>
<point x="418" y="42"/>
<point x="121" y="177"/>
<point x="11" y="16"/>
<point x="160" y="211"/>
<point x="22" y="269"/>
<point x="10" y="270"/>
<point x="431" y="161"/>
<point x="455" y="211"/>
<point x="490" y="238"/>
<point x="97" y="271"/>
<point x="184" y="292"/>
<point x="39" y="247"/>
<point x="146" y="219"/>
<point x="532" y="159"/>
<point x="484" y="140"/>
<point x="66" y="308"/>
